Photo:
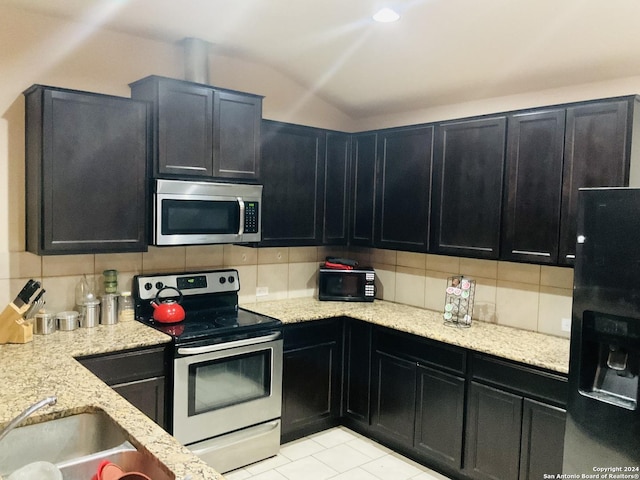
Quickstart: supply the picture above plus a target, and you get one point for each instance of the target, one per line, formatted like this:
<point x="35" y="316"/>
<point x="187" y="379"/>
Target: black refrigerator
<point x="603" y="417"/>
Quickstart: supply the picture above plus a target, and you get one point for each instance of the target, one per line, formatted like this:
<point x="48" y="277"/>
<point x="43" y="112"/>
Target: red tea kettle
<point x="169" y="310"/>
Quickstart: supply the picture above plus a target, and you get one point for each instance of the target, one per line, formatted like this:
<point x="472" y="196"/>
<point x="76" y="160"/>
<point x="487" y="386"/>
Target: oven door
<point x="225" y="387"/>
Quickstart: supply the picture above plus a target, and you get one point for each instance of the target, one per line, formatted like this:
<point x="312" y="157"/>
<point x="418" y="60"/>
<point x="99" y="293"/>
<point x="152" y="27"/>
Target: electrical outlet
<point x="262" y="291"/>
<point x="565" y="324"/>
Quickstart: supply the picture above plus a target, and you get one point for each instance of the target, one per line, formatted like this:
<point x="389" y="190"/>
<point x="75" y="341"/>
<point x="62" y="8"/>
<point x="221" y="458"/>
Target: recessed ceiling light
<point x="386" y="15"/>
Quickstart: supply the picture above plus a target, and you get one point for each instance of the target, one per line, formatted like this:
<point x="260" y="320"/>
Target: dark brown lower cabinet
<point x="439" y="416"/>
<point x="138" y="375"/>
<point x="311" y="371"/>
<point x="394" y="398"/>
<point x="356" y="385"/>
<point x="467" y="415"/>
<point x="542" y="440"/>
<point x="147" y="395"/>
<point x="510" y="436"/>
<point x="493" y="433"/>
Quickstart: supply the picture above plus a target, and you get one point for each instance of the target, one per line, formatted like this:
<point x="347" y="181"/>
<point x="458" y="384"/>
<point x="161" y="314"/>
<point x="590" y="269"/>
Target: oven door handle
<point x="228" y="345"/>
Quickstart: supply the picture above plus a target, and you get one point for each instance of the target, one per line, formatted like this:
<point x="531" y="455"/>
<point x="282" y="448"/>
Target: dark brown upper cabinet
<point x="293" y="175"/>
<point x="597" y="153"/>
<point x="202" y="131"/>
<point x="533" y="190"/>
<point x="363" y="182"/>
<point x="336" y="189"/>
<point x="86" y="166"/>
<point x="404" y="188"/>
<point x="467" y="187"/>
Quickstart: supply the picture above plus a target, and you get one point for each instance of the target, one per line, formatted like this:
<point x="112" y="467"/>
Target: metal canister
<point x="90" y="314"/>
<point x="67" y="321"/>
<point x="44" y="323"/>
<point x="109" y="312"/>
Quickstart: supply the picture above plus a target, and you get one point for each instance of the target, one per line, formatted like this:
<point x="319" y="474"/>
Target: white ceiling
<point x="441" y="51"/>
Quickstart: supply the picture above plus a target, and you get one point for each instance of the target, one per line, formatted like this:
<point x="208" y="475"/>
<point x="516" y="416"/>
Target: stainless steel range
<point x="227" y="367"/>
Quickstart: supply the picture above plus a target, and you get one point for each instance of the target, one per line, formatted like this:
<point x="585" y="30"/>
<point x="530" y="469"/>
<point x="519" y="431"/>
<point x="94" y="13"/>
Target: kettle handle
<point x="167" y="287"/>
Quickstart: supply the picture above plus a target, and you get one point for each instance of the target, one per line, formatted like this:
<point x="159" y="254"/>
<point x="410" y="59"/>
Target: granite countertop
<point x="532" y="348"/>
<point x="46" y="366"/>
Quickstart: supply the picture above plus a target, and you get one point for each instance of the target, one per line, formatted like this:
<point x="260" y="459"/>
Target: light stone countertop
<point x="46" y="366"/>
<point x="532" y="348"/>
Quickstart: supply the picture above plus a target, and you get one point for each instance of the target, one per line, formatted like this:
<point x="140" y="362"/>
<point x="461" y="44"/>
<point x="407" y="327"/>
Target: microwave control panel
<point x="251" y="220"/>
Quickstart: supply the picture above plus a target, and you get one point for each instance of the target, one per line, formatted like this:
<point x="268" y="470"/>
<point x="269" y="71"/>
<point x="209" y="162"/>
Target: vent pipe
<point x="196" y="60"/>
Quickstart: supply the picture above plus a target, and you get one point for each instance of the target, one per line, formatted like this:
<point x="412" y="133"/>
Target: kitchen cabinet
<point x="551" y="153"/>
<point x="404" y="188"/>
<point x="293" y="175"/>
<point x="542" y="440"/>
<point x="596" y="154"/>
<point x="357" y="374"/>
<point x="515" y="420"/>
<point x="493" y="433"/>
<point x="439" y="415"/>
<point x="394" y="398"/>
<point x="533" y="190"/>
<point x="418" y="397"/>
<point x="202" y="131"/>
<point x="86" y="164"/>
<point x="311" y="374"/>
<point x="336" y="209"/>
<point x="467" y="187"/>
<point x="363" y="181"/>
<point x="138" y="375"/>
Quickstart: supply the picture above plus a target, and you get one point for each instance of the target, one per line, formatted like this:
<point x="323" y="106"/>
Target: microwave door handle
<point x="241" y="203"/>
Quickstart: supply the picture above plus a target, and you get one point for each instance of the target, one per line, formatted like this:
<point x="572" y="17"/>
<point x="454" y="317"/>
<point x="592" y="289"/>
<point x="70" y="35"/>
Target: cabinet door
<point x="542" y="440"/>
<point x="531" y="225"/>
<point x="309" y="388"/>
<point x="363" y="191"/>
<point x="86" y="161"/>
<point x="440" y="416"/>
<point x="336" y="189"/>
<point x="394" y="398"/>
<point x="148" y="396"/>
<point x="185" y="129"/>
<point x="596" y="154"/>
<point x="404" y="188"/>
<point x="357" y="371"/>
<point x="492" y="443"/>
<point x="236" y="141"/>
<point x="293" y="176"/>
<point x="467" y="188"/>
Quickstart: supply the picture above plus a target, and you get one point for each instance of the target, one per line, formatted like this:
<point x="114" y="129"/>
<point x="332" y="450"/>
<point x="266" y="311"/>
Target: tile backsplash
<point x="530" y="297"/>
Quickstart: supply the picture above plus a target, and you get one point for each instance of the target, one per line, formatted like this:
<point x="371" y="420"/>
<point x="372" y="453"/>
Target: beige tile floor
<point x="336" y="454"/>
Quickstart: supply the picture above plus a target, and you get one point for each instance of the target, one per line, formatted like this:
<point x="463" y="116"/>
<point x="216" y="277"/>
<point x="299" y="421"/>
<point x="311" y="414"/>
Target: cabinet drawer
<point x="421" y="350"/>
<point x="528" y="381"/>
<point x="311" y="333"/>
<point x="127" y="366"/>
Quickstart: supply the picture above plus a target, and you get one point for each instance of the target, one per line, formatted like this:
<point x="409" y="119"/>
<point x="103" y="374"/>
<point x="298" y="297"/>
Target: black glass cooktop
<point x="214" y="325"/>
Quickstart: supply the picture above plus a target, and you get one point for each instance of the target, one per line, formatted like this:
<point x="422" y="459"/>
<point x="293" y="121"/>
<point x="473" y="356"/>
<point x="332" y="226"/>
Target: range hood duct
<point x="196" y="60"/>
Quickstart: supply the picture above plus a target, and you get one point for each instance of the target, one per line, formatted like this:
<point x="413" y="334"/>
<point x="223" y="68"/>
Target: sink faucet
<point x="29" y="411"/>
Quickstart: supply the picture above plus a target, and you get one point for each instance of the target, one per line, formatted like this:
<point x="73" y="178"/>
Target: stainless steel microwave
<point x="347" y="285"/>
<point x="200" y="213"/>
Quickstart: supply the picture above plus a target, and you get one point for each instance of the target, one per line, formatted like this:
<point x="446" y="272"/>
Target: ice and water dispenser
<point x="610" y="359"/>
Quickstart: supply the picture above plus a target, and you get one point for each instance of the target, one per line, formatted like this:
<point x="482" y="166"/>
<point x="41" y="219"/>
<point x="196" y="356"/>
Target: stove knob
<point x="159" y="285"/>
<point x="148" y="286"/>
<point x="222" y="280"/>
<point x="231" y="279"/>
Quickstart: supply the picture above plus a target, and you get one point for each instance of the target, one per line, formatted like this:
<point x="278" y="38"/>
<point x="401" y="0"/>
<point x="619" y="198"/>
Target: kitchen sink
<point x="76" y="444"/>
